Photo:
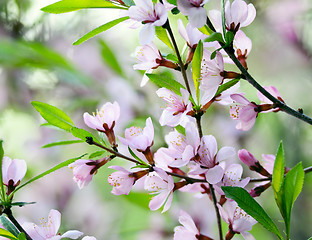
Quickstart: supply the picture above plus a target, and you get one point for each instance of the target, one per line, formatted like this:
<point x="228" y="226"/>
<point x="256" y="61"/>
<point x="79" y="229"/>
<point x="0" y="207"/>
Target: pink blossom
<point x="188" y="230"/>
<point x="241" y="44"/>
<point x="139" y="138"/>
<point x="237" y="219"/>
<point x="151" y="15"/>
<point x="48" y="229"/>
<point x="122" y="180"/>
<point x="105" y="118"/>
<point x="232" y="177"/>
<point x="191" y="35"/>
<point x="211" y="75"/>
<point x="209" y="157"/>
<point x="244" y="111"/>
<point x="195" y="11"/>
<point x="88" y="238"/>
<point x="13" y="171"/>
<point x="253" y="164"/>
<point x="149" y="58"/>
<point x="183" y="148"/>
<point x="162" y="184"/>
<point x="177" y="107"/>
<point x="83" y="171"/>
<point x="237" y="15"/>
<point x="273" y="91"/>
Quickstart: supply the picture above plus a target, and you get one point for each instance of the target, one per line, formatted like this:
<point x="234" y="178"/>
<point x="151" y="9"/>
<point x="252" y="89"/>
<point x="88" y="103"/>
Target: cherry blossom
<point x="188" y="230"/>
<point x="139" y="138"/>
<point x="88" y="238"/>
<point x="177" y="107"/>
<point x="162" y="184"/>
<point x="273" y="91"/>
<point x="211" y="75"/>
<point x="237" y="15"/>
<point x="84" y="170"/>
<point x="253" y="164"/>
<point x="13" y="172"/>
<point x="190" y="34"/>
<point x="122" y="180"/>
<point x="232" y="177"/>
<point x="149" y="58"/>
<point x="244" y="111"/>
<point x="195" y="11"/>
<point x="208" y="158"/>
<point x="104" y="120"/>
<point x="48" y="229"/>
<point x="237" y="219"/>
<point x="151" y="15"/>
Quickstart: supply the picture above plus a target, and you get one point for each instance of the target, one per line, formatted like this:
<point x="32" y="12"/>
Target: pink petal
<point x="73" y="234"/>
<point x="146" y="34"/>
<point x="225" y="153"/>
<point x="214" y="175"/>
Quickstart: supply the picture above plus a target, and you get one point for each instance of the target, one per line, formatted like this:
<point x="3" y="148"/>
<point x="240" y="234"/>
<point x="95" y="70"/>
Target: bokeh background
<point x="38" y="62"/>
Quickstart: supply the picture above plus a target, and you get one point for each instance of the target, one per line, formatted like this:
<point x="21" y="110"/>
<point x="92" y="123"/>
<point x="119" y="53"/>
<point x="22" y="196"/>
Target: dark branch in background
<point x="279" y="104"/>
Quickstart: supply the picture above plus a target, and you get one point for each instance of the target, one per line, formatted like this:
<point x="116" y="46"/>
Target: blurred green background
<point x="38" y="62"/>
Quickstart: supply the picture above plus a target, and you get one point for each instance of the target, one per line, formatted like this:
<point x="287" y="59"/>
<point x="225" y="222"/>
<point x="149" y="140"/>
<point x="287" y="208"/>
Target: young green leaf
<point x="196" y="66"/>
<point x="229" y="37"/>
<point x="172" y="57"/>
<point x="53" y="169"/>
<point x="278" y="170"/>
<point x="65" y="6"/>
<point x="53" y="115"/>
<point x="226" y="86"/>
<point x="62" y="143"/>
<point x="99" y="30"/>
<point x="110" y="58"/>
<point x="166" y="82"/>
<point x="7" y="234"/>
<point x="129" y="2"/>
<point x="251" y="207"/>
<point x="292" y="187"/>
<point x="205" y="30"/>
<point x="22" y="236"/>
<point x="8" y="225"/>
<point x="82" y="134"/>
<point x="96" y="154"/>
<point x="180" y="129"/>
<point x="161" y="33"/>
<point x="137" y="158"/>
<point x="3" y="194"/>
<point x="215" y="37"/>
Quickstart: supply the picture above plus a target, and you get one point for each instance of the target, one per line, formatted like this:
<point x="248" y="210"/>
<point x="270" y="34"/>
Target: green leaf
<point x="109" y="57"/>
<point x="53" y="169"/>
<point x="22" y="236"/>
<point x="7" y="234"/>
<point x="99" y="30"/>
<point x="206" y="30"/>
<point x="251" y="207"/>
<point x="62" y="143"/>
<point x="172" y="57"/>
<point x="129" y="2"/>
<point x="292" y="187"/>
<point x="180" y="129"/>
<point x="196" y="66"/>
<point x="53" y="115"/>
<point x="3" y="194"/>
<point x="278" y="170"/>
<point x="74" y="5"/>
<point x="229" y="37"/>
<point x="161" y="33"/>
<point x="21" y="204"/>
<point x="223" y="17"/>
<point x="174" y="2"/>
<point x="137" y="158"/>
<point x="215" y="37"/>
<point x="226" y="86"/>
<point x="82" y="134"/>
<point x="8" y="225"/>
<point x="166" y="82"/>
<point x="96" y="154"/>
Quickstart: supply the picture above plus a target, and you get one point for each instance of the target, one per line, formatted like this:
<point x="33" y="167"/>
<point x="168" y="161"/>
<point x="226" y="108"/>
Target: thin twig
<point x="214" y="199"/>
<point x="279" y="104"/>
<point x="8" y="212"/>
<point x="175" y="46"/>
